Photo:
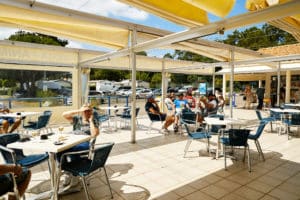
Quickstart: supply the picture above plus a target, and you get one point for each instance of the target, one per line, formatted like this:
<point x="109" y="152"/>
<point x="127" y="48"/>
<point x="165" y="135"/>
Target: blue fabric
<point x="180" y="103"/>
<point x="199" y="135"/>
<point x="32" y="160"/>
<point x="10" y="120"/>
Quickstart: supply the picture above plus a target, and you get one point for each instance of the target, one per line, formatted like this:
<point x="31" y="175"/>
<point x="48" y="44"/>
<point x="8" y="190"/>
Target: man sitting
<point x="153" y="108"/>
<point x="211" y="105"/>
<point x="5" y="122"/>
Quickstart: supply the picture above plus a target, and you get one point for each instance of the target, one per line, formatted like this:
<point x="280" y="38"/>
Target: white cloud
<point x="6" y="32"/>
<point x="111" y="8"/>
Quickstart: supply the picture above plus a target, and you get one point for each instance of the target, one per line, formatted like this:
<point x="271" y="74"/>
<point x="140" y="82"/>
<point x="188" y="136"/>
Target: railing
<point x="60" y="101"/>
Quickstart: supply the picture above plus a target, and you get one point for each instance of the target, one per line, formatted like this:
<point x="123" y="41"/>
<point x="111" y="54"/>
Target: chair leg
<point x="111" y="194"/>
<point x="259" y="149"/>
<point x="187" y="146"/>
<point x="208" y="146"/>
<point x="150" y="127"/>
<point x="85" y="188"/>
<point x="224" y="152"/>
<point x="244" y="154"/>
<point x="249" y="159"/>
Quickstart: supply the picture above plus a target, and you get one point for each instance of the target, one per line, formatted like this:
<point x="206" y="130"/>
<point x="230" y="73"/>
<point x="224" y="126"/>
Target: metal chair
<point x="88" y="163"/>
<point x="188" y="117"/>
<point x="256" y="136"/>
<point x="236" y="138"/>
<point x="154" y="118"/>
<point x="40" y="124"/>
<point x="293" y="120"/>
<point x="126" y="116"/>
<point x="16" y="156"/>
<point x="271" y="119"/>
<point x="198" y="135"/>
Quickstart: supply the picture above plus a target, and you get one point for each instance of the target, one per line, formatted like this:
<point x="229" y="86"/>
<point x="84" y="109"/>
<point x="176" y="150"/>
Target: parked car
<point x="143" y="93"/>
<point x="185" y="88"/>
<point x="96" y="95"/>
<point x="157" y="92"/>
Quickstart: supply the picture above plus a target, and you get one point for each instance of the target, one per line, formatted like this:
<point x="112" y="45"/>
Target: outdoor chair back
<point x="236" y="138"/>
<point x="40" y="124"/>
<point x="16" y="156"/>
<point x="197" y="135"/>
<point x="256" y="136"/>
<point x="86" y="165"/>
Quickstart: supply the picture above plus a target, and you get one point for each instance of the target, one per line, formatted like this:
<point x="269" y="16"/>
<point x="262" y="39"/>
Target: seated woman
<point x="23" y="176"/>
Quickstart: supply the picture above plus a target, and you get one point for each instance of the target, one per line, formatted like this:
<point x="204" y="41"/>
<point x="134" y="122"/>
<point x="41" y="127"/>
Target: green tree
<point x="24" y="36"/>
<point x="155" y="80"/>
<point x="255" y="38"/>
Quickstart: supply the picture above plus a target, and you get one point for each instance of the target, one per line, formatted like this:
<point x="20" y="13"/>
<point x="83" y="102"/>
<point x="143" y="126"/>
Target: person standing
<point x="249" y="97"/>
<point x="260" y="92"/>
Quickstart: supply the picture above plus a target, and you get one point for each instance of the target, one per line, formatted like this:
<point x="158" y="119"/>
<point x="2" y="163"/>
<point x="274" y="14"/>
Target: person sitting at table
<point x="179" y="105"/>
<point x="5" y="122"/>
<point x="83" y="119"/>
<point x="152" y="107"/>
<point x="23" y="176"/>
<point x="189" y="97"/>
<point x="210" y="105"/>
<point x="169" y="101"/>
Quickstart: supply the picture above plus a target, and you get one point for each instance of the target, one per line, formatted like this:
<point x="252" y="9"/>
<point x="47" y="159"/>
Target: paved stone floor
<point x="154" y="168"/>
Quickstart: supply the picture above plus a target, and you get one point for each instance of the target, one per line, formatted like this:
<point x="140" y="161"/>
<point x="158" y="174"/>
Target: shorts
<point x="161" y="117"/>
<point x="80" y="147"/>
<point x="6" y="181"/>
<point x="10" y="120"/>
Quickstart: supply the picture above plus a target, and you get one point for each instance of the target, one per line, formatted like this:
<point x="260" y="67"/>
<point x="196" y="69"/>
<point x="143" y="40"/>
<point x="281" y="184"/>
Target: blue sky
<point x="115" y="9"/>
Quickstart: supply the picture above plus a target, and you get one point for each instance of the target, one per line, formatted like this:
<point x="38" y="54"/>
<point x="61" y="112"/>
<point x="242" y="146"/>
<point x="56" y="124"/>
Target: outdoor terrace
<point x="154" y="168"/>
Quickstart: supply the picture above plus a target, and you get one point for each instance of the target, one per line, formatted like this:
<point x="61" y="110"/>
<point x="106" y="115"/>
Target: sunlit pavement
<point x="154" y="168"/>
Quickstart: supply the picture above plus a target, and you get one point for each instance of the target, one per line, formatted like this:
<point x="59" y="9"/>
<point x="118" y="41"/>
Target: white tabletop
<point x="286" y="110"/>
<point x="226" y="121"/>
<point x="18" y="114"/>
<point x="36" y="144"/>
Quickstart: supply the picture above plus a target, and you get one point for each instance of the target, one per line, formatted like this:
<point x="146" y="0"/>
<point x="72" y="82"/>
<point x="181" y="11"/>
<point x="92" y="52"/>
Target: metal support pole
<point x="278" y="83"/>
<point x="231" y="81"/>
<point x="133" y="86"/>
<point x="164" y="86"/>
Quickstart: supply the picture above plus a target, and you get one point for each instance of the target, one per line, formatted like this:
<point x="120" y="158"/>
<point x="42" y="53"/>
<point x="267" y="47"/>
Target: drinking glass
<point x="61" y="128"/>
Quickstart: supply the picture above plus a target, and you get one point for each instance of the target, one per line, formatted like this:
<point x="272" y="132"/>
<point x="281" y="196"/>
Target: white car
<point x="185" y="88"/>
<point x="143" y="93"/>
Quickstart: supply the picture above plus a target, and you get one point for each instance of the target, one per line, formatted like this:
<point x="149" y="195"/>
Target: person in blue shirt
<point x="179" y="105"/>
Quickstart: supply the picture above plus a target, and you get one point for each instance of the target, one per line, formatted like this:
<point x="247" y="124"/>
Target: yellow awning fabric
<point x="185" y="12"/>
<point x="289" y="24"/>
<point x="220" y="8"/>
<point x="63" y="26"/>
